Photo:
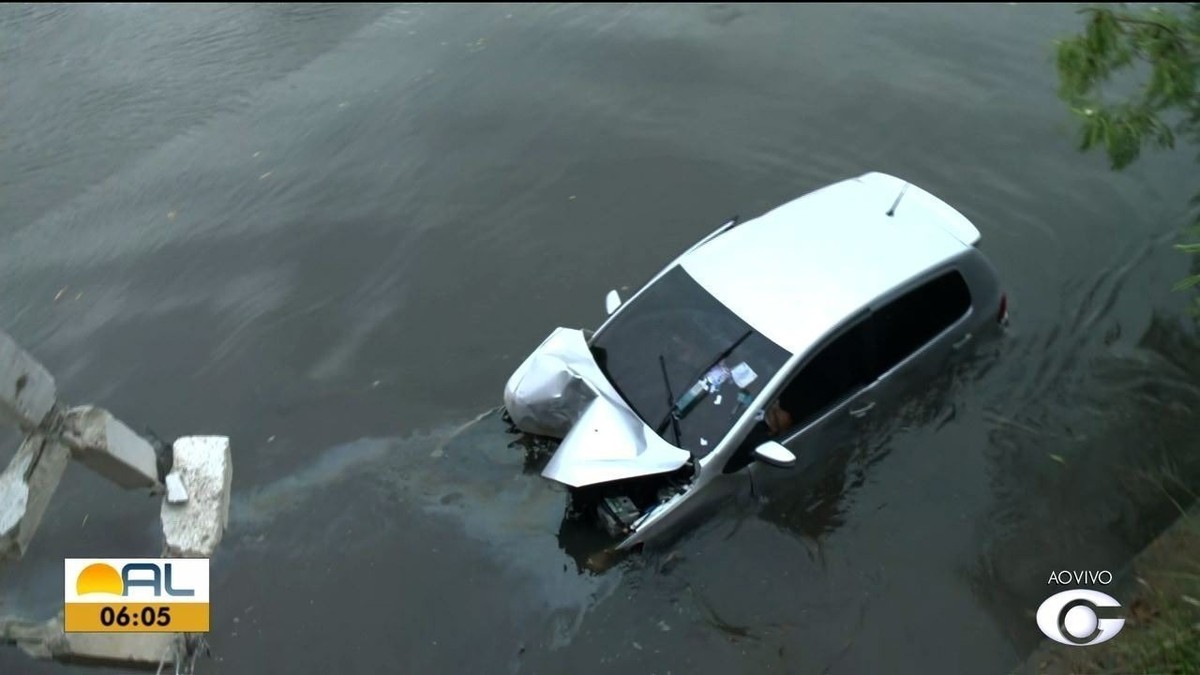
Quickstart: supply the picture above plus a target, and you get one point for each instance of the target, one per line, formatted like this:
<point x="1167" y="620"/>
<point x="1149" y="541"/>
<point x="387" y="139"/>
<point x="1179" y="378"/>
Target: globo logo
<point x="1080" y="617"/>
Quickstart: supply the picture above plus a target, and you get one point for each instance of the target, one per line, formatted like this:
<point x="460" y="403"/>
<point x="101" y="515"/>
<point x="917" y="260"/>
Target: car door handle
<point x="861" y="412"/>
<point x="963" y="340"/>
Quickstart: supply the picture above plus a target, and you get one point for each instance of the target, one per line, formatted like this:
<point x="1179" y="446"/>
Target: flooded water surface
<point x="331" y="233"/>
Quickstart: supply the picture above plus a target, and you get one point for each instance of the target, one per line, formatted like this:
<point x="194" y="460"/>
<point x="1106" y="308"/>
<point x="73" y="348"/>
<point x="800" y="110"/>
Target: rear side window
<point x="909" y="322"/>
<point x="869" y="349"/>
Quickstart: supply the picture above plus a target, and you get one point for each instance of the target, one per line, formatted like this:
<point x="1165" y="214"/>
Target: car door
<point x="826" y="401"/>
<point x="910" y="338"/>
<point x="858" y="379"/>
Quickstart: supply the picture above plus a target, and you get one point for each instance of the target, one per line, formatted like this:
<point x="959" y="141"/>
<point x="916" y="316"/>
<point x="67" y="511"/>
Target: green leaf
<point x="1188" y="282"/>
<point x="1159" y="50"/>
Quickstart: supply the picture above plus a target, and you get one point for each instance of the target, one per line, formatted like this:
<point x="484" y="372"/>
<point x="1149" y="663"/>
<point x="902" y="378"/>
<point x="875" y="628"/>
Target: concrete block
<point x="108" y="447"/>
<point x="194" y="528"/>
<point x="32" y="637"/>
<point x="145" y="649"/>
<point x="26" y="487"/>
<point x="27" y="391"/>
<point x="46" y="640"/>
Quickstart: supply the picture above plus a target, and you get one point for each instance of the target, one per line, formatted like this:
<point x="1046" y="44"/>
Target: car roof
<point x="798" y="271"/>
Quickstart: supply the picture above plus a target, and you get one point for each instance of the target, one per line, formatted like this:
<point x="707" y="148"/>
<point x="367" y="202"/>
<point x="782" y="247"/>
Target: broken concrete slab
<point x="46" y="640"/>
<point x="27" y="391"/>
<point x="147" y="649"/>
<point x="108" y="447"/>
<point x="194" y="528"/>
<point x="32" y="637"/>
<point x="26" y="487"/>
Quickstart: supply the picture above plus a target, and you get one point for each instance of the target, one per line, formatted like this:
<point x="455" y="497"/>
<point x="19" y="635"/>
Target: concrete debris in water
<point x="111" y="449"/>
<point x="194" y="528"/>
<point x="26" y="487"/>
<point x="195" y="509"/>
<point x="27" y="391"/>
<point x="46" y="640"/>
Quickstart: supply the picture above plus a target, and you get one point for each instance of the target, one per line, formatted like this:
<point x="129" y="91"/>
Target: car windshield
<point x="677" y="326"/>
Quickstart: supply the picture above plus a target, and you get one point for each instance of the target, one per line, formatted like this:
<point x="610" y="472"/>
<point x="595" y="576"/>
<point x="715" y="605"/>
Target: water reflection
<point x="1110" y="469"/>
<point x="473" y="476"/>
<point x="264" y="222"/>
<point x="814" y="503"/>
<point x="592" y="549"/>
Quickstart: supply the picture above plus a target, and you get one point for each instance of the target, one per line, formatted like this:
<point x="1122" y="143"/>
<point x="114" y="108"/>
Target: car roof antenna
<point x="892" y="211"/>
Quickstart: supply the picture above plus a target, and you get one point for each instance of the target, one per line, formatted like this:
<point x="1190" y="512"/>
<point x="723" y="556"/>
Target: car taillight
<point x="1002" y="315"/>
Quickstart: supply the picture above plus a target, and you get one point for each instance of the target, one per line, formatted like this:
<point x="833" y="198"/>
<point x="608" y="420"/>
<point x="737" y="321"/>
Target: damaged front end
<point x="551" y="388"/>
<point x="619" y="469"/>
<point x="621" y="507"/>
<point x="560" y="391"/>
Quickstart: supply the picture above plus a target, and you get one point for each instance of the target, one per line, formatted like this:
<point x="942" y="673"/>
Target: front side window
<point x="832" y="375"/>
<point x="676" y="333"/>
<point x="836" y="372"/>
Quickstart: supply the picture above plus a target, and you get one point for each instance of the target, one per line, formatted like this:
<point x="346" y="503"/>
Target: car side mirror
<point x="612" y="301"/>
<point x="775" y="454"/>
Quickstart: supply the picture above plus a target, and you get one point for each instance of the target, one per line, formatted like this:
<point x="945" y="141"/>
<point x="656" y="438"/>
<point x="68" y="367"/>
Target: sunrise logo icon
<point x="99" y="578"/>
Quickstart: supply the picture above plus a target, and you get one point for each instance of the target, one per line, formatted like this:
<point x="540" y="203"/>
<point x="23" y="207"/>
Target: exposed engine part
<point x="672" y="488"/>
<point x="617" y="513"/>
<point x="619" y="506"/>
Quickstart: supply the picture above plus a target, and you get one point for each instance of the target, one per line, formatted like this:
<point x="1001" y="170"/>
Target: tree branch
<point x="1147" y="22"/>
<point x="1131" y="20"/>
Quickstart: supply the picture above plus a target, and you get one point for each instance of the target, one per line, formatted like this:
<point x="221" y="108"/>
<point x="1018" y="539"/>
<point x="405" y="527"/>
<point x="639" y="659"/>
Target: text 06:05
<point x="146" y="616"/>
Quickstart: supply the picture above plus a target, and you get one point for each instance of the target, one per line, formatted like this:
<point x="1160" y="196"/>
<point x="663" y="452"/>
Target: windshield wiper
<point x="729" y="350"/>
<point x="672" y="415"/>
<point x="662" y="362"/>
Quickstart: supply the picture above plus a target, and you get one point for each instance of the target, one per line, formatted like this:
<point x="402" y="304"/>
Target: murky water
<point x="332" y="232"/>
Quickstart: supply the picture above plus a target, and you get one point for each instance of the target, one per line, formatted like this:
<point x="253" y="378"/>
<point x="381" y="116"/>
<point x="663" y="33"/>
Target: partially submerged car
<point x="760" y="346"/>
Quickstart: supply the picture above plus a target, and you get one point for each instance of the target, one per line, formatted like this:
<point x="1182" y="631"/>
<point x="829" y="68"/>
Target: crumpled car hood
<point x="559" y="391"/>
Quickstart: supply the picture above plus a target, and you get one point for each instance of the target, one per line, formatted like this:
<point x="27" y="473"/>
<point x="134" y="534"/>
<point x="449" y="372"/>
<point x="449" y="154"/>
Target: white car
<point x="761" y="345"/>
